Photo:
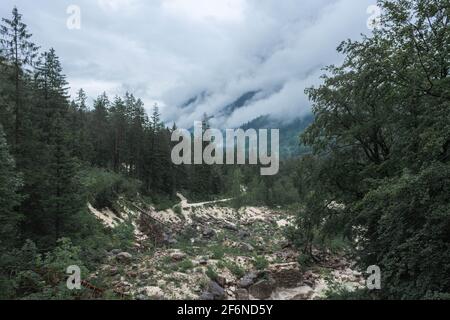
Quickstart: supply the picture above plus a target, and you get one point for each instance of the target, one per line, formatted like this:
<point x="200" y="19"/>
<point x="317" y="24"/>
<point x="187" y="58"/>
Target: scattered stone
<point x="247" y="280"/>
<point x="208" y="233"/>
<point x="207" y="296"/>
<point x="177" y="256"/>
<point x="242" y="294"/>
<point x="113" y="271"/>
<point x="116" y="251"/>
<point x="305" y="292"/>
<point x="230" y="226"/>
<point x="262" y="289"/>
<point x="286" y="275"/>
<point x="216" y="290"/>
<point x="169" y="239"/>
<point x="154" y="293"/>
<point x="243" y="234"/>
<point x="246" y="247"/>
<point x="285" y="244"/>
<point x="124" y="257"/>
<point x="222" y="281"/>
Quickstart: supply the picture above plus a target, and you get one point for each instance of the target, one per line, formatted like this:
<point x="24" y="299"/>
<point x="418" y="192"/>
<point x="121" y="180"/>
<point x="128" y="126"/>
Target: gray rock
<point x="230" y="226"/>
<point x="208" y="296"/>
<point x="222" y="281"/>
<point x="242" y="234"/>
<point x="116" y="251"/>
<point x="305" y="292"/>
<point x="168" y="238"/>
<point x="216" y="290"/>
<point x="177" y="256"/>
<point x="242" y="294"/>
<point x="124" y="257"/>
<point x="208" y="233"/>
<point x="246" y="247"/>
<point x="262" y="289"/>
<point x="141" y="297"/>
<point x="247" y="280"/>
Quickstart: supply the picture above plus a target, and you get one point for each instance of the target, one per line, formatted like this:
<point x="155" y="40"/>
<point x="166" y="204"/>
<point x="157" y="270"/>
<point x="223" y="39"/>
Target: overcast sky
<point x="168" y="51"/>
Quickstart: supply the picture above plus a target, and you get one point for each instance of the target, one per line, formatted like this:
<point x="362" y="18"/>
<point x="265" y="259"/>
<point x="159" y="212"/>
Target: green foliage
<point x="235" y="269"/>
<point x="163" y="202"/>
<point x="380" y="169"/>
<point x="10" y="182"/>
<point x="260" y="262"/>
<point x="217" y="252"/>
<point x="405" y="214"/>
<point x="185" y="265"/>
<point x="32" y="275"/>
<point x="123" y="236"/>
<point x="104" y="187"/>
<point x="211" y="273"/>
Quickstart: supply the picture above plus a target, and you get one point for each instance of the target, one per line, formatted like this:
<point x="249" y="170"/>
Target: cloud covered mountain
<point x="233" y="59"/>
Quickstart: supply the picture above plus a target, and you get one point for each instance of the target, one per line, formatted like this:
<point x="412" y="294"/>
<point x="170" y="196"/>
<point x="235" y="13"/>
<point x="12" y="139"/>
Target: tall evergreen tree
<point x="10" y="182"/>
<point x="17" y="48"/>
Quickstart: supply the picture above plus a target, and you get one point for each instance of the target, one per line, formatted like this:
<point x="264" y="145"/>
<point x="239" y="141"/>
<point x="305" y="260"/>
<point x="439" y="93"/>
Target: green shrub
<point x="235" y="269"/>
<point x="211" y="273"/>
<point x="260" y="262"/>
<point x="104" y="187"/>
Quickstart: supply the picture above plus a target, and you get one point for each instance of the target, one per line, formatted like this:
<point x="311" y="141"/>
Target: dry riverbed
<point x="210" y="251"/>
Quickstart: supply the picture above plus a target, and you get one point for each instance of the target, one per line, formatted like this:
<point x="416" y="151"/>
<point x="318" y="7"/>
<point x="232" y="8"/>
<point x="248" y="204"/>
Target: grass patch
<point x="211" y="273"/>
<point x="260" y="262"/>
<point x="235" y="269"/>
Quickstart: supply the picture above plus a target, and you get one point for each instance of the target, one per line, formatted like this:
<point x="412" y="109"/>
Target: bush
<point x="235" y="269"/>
<point x="104" y="187"/>
<point x="211" y="273"/>
<point x="260" y="262"/>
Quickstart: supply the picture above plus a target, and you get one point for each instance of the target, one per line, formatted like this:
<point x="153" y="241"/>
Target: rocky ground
<point x="209" y="251"/>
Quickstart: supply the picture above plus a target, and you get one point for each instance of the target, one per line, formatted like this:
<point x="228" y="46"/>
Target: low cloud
<point x="170" y="51"/>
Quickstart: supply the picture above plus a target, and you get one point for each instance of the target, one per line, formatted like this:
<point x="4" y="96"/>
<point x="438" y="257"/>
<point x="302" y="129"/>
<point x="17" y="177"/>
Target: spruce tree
<point x="17" y="48"/>
<point x="10" y="182"/>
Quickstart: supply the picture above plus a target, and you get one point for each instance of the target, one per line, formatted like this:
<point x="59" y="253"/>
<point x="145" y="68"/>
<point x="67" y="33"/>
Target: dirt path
<point x="185" y="205"/>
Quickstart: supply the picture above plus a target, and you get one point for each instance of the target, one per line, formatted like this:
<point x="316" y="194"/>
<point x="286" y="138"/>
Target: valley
<point x="209" y="251"/>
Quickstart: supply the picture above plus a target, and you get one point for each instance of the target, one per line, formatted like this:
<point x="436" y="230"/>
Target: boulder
<point x="208" y="233"/>
<point x="230" y="226"/>
<point x="242" y="294"/>
<point x="216" y="290"/>
<point x="222" y="281"/>
<point x="286" y="275"/>
<point x="124" y="257"/>
<point x="262" y="289"/>
<point x="246" y="247"/>
<point x="207" y="296"/>
<point x="177" y="256"/>
<point x="242" y="234"/>
<point x="304" y="293"/>
<point x="247" y="280"/>
<point x="169" y="239"/>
